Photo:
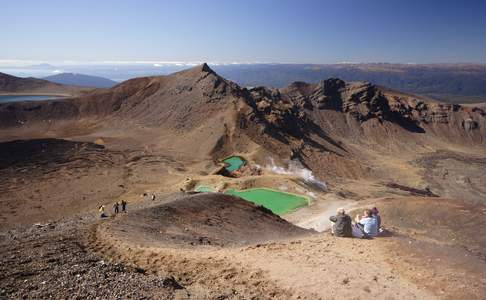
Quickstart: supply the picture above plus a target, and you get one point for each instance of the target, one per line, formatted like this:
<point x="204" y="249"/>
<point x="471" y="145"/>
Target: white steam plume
<point x="295" y="168"/>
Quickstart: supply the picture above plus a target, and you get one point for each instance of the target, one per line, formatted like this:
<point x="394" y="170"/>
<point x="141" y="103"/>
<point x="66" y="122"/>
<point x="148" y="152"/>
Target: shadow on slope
<point x="204" y="219"/>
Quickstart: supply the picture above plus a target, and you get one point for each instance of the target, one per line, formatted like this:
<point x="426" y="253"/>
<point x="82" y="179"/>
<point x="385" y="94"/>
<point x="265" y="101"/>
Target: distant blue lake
<point x="20" y="98"/>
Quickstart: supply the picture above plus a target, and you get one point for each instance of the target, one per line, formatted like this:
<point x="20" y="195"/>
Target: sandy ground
<point x="315" y="266"/>
<point x="321" y="267"/>
<point x="61" y="187"/>
<point x="111" y="259"/>
<point x="401" y="265"/>
<point x="63" y="182"/>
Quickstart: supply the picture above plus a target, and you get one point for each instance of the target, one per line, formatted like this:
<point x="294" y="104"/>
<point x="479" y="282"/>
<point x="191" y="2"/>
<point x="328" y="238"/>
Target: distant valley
<point x="454" y="83"/>
<point x="81" y="80"/>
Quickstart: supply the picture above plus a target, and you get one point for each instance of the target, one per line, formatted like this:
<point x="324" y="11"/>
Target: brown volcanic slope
<point x="439" y="241"/>
<point x="52" y="178"/>
<point x="190" y="98"/>
<point x="199" y="220"/>
<point x="60" y="159"/>
<point x="16" y="85"/>
<point x="337" y="129"/>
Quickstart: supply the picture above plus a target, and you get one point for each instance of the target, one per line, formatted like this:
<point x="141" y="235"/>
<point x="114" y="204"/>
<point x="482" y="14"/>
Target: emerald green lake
<point x="234" y="163"/>
<point x="278" y="202"/>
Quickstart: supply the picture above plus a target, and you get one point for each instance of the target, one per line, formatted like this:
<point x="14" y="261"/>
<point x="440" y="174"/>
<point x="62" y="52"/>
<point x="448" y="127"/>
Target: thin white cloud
<point x="23" y="63"/>
<point x="18" y="62"/>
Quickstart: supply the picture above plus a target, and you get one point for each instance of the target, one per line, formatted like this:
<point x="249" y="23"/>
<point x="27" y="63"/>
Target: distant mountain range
<point x="457" y="83"/>
<point x="16" y="85"/>
<point x="81" y="80"/>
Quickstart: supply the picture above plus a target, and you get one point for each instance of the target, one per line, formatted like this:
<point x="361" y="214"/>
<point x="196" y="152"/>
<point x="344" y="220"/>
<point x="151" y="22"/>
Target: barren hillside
<point x="336" y="143"/>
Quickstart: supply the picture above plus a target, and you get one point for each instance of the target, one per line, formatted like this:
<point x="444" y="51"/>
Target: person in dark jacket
<point x="341" y="224"/>
<point x="124" y="206"/>
<point x="375" y="213"/>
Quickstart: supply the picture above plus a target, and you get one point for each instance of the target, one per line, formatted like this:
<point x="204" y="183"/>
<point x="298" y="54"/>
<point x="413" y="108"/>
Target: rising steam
<point x="295" y="168"/>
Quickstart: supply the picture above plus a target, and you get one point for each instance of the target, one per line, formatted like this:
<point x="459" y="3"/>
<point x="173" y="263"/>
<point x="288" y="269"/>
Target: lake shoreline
<point x="30" y="97"/>
<point x="34" y="94"/>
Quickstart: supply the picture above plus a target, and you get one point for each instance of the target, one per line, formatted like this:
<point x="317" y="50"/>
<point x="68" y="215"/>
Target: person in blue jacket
<point x="367" y="225"/>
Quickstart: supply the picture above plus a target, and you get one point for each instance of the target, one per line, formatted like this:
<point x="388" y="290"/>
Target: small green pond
<point x="278" y="202"/>
<point x="204" y="189"/>
<point x="234" y="163"/>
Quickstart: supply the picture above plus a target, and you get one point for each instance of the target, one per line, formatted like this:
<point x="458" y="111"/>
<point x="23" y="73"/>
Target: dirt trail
<point x="315" y="266"/>
<point x="318" y="267"/>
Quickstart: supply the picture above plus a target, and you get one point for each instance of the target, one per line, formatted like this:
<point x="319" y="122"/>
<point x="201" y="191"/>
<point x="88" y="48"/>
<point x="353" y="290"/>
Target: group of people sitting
<point x="366" y="226"/>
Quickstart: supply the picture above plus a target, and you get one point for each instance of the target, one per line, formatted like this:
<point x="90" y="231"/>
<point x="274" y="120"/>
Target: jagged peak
<point x="205" y="68"/>
<point x="332" y="82"/>
<point x="202" y="68"/>
<point x="195" y="73"/>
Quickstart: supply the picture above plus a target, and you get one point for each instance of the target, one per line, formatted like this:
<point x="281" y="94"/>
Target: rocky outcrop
<point x="278" y="113"/>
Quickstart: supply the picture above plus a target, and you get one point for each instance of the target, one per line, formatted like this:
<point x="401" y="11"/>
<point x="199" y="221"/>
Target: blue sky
<point x="244" y="31"/>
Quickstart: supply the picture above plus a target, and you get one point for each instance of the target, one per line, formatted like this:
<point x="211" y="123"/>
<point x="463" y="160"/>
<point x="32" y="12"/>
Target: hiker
<point x="341" y="224"/>
<point x="152" y="197"/>
<point x="124" y="206"/>
<point x="116" y="207"/>
<point x="376" y="214"/>
<point x="366" y="226"/>
<point x="101" y="209"/>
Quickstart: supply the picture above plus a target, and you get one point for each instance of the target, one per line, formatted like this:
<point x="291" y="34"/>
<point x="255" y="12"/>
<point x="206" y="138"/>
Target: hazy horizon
<point x="47" y="63"/>
<point x="124" y="70"/>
